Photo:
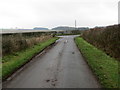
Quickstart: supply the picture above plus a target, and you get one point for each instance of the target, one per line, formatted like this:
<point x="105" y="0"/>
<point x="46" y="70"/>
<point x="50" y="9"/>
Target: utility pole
<point x="75" y="24"/>
<point x="119" y="12"/>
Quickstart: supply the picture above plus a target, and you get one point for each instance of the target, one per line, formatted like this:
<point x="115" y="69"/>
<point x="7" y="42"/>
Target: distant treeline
<point x="18" y="41"/>
<point x="106" y="38"/>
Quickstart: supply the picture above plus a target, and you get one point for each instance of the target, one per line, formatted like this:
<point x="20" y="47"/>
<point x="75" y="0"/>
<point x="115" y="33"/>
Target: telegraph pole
<point x="75" y="24"/>
<point x="119" y="12"/>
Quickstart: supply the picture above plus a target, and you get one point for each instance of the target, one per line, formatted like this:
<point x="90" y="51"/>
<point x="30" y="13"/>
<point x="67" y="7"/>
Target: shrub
<point x="107" y="39"/>
<point x="15" y="42"/>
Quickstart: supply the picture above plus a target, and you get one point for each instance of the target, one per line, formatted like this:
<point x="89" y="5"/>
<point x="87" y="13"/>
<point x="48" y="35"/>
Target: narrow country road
<point x="61" y="67"/>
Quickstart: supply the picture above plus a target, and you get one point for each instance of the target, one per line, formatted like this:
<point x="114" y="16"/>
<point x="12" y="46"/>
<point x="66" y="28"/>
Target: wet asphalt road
<point x="61" y="67"/>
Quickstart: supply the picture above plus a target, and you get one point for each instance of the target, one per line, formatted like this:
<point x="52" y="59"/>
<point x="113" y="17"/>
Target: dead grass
<point x="16" y="42"/>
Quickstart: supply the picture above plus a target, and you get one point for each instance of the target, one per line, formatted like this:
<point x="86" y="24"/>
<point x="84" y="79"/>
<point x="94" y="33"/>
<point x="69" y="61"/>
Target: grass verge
<point x="104" y="67"/>
<point x="15" y="61"/>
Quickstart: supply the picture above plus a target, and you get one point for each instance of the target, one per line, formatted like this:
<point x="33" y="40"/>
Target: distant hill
<point x="69" y="28"/>
<point x="63" y="28"/>
<point x="40" y="28"/>
<point x="82" y="28"/>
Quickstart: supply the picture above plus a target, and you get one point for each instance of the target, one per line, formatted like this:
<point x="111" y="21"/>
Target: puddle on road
<point x="73" y="52"/>
<point x="52" y="81"/>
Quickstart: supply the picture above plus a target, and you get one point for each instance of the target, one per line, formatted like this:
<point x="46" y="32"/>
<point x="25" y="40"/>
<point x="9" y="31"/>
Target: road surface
<point x="61" y="67"/>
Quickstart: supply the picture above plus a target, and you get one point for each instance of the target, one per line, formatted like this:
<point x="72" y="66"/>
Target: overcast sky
<point x="52" y="13"/>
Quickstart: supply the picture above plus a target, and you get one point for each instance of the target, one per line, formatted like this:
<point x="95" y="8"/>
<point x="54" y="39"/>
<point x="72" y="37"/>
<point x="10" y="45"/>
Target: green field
<point x="104" y="67"/>
<point x="14" y="61"/>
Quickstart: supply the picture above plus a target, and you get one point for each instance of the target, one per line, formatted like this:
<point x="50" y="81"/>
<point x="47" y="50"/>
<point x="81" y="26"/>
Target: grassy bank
<point x="14" y="61"/>
<point x="105" y="67"/>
